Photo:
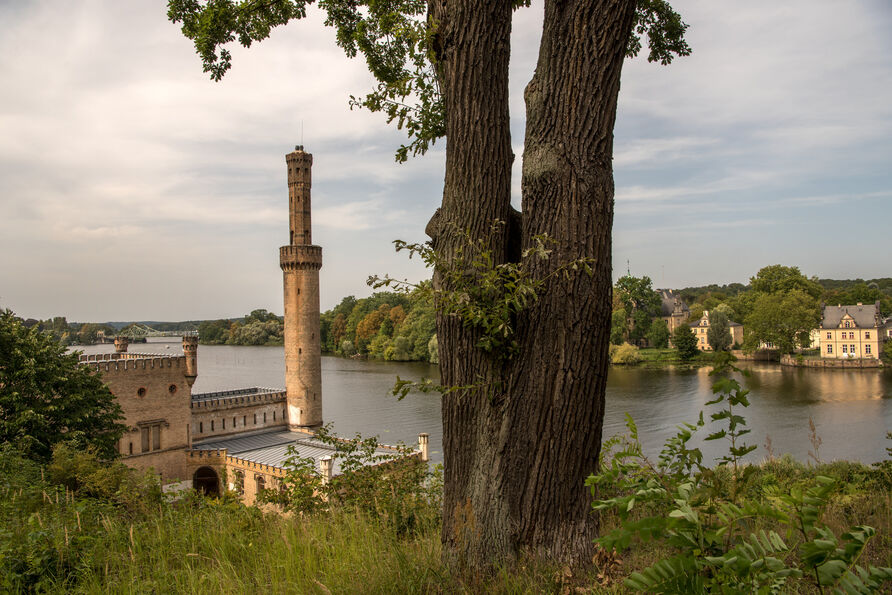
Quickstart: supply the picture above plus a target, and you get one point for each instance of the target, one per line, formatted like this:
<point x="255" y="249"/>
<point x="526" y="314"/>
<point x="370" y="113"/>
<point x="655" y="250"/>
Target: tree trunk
<point x="518" y="447"/>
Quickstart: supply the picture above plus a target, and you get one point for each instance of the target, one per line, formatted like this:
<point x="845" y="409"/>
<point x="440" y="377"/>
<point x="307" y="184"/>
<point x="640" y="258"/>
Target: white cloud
<point x="121" y="164"/>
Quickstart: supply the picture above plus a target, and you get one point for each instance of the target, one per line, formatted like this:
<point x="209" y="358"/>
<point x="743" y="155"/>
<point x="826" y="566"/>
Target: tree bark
<point x="519" y="446"/>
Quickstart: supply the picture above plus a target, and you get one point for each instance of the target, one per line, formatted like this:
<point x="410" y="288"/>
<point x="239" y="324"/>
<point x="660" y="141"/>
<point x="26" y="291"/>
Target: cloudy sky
<point x="132" y="187"/>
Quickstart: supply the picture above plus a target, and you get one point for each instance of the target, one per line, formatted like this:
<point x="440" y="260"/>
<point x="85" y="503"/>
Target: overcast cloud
<point x="132" y="187"/>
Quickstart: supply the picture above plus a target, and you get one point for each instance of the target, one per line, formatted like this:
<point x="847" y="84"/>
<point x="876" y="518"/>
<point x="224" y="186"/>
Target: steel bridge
<point x="140" y="331"/>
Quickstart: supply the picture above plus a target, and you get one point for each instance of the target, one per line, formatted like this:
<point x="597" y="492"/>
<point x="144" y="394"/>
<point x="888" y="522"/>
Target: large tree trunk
<point x="518" y="447"/>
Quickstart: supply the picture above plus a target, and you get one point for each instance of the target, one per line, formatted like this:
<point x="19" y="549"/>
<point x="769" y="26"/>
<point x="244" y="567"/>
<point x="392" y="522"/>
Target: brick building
<point x="244" y="435"/>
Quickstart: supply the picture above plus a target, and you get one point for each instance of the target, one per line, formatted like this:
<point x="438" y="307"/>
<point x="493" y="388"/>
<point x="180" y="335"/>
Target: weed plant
<point x="741" y="528"/>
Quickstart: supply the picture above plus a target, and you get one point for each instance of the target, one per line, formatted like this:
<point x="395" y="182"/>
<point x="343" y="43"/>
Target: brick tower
<point x="300" y="262"/>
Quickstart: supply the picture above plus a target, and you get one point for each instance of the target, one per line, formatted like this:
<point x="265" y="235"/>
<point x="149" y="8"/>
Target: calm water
<point x="851" y="409"/>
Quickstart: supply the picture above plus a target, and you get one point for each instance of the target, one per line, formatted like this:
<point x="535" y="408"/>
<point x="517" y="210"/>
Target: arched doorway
<point x="206" y="481"/>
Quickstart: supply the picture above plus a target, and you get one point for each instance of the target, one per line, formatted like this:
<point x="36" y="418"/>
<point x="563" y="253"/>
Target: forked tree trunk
<point x="517" y="448"/>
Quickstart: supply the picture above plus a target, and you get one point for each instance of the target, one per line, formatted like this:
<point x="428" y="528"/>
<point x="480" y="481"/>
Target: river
<point x="851" y="409"/>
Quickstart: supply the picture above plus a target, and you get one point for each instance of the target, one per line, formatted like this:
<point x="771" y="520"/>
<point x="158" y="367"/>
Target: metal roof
<point x="271" y="448"/>
<point x="239" y="392"/>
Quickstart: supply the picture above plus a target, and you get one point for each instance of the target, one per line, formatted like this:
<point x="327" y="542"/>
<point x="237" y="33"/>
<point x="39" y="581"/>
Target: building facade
<point x="852" y="331"/>
<point x="701" y="331"/>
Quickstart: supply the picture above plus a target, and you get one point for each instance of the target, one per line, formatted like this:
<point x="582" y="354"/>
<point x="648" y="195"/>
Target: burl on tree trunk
<point x="519" y="446"/>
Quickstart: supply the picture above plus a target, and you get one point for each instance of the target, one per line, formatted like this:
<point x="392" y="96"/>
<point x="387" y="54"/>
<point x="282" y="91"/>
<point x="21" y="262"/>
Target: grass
<point x="124" y="538"/>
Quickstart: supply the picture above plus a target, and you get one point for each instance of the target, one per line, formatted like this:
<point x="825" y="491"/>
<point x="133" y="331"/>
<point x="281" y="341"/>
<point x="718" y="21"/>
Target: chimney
<point x="423" y="439"/>
<point x="325" y="469"/>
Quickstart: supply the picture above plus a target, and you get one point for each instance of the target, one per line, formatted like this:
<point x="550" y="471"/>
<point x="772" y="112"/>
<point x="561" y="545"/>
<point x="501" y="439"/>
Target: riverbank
<point x="799" y="361"/>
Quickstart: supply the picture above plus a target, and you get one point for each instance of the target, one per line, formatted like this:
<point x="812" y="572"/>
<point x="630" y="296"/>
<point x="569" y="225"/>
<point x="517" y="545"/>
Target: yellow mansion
<point x="851" y="331"/>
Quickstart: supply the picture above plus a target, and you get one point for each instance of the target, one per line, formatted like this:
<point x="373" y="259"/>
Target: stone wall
<point x="155" y="397"/>
<point x="855" y="363"/>
<point x="235" y="414"/>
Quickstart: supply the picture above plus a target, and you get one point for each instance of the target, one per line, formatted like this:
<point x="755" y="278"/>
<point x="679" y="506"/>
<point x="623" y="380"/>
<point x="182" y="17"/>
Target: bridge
<point x="140" y="331"/>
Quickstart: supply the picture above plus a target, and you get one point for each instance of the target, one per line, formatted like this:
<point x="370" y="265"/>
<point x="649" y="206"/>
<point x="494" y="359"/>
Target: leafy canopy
<point x="398" y="41"/>
<point x="47" y="398"/>
<point x="781" y="319"/>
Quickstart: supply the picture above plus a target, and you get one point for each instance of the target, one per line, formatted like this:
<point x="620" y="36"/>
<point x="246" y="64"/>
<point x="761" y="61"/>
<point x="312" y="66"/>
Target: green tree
<point x="781" y="279"/>
<point x="685" y="342"/>
<point x="214" y="332"/>
<point x="641" y="303"/>
<point x="260" y="315"/>
<point x="47" y="398"/>
<point x="719" y="333"/>
<point x="887" y="352"/>
<point x="619" y="326"/>
<point x="860" y="293"/>
<point x="658" y="335"/>
<point x="442" y="70"/>
<point x="781" y="319"/>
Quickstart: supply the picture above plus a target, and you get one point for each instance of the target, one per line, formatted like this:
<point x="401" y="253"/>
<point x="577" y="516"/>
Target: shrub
<point x="624" y="354"/>
<point x="394" y="487"/>
<point x="347" y="348"/>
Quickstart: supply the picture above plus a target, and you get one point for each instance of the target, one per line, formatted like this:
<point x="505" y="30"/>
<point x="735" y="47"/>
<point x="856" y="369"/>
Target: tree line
<point x="387" y="325"/>
<point x="260" y="327"/>
<point x="780" y="306"/>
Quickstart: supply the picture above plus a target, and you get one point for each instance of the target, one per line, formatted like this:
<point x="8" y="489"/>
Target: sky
<point x="134" y="188"/>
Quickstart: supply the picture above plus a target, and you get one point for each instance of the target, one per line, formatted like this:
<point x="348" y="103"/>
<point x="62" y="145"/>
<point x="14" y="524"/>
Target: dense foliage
<point x="72" y="333"/>
<point x="47" y="398"/>
<point x="388" y="325"/>
<point x="685" y="342"/>
<point x="635" y="306"/>
<point x="257" y="328"/>
<point x="723" y="532"/>
<point x="719" y="334"/>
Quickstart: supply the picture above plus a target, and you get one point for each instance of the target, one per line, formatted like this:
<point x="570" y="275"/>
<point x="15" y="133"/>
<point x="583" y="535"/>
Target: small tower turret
<point x="190" y="350"/>
<point x="121" y="343"/>
<point x="300" y="262"/>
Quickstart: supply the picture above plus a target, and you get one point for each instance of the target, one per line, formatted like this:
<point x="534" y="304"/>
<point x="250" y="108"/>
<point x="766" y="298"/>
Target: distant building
<point x="701" y="328"/>
<point x="673" y="310"/>
<point x="852" y="331"/>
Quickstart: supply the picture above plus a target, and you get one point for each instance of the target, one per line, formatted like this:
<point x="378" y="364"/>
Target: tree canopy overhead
<point x="522" y="425"/>
<point x="402" y="42"/>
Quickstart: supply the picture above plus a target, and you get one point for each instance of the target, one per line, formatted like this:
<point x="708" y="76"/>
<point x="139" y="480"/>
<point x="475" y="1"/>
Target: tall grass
<point x="122" y="537"/>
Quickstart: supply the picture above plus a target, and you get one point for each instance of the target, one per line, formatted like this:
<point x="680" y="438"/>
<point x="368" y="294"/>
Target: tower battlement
<point x="300" y="258"/>
<point x="110" y="365"/>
